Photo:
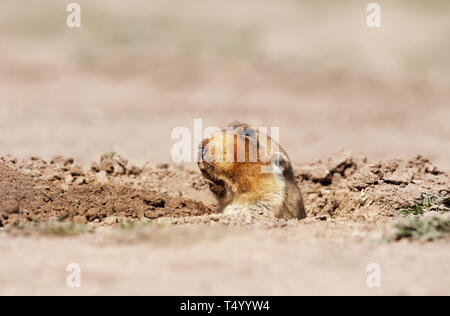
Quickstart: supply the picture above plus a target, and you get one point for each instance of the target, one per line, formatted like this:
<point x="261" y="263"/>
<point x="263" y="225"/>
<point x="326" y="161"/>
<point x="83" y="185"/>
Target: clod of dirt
<point x="340" y="163"/>
<point x="115" y="164"/>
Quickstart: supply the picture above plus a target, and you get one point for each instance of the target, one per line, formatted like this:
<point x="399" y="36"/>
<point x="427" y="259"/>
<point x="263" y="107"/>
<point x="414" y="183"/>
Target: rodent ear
<point x="242" y="128"/>
<point x="236" y="124"/>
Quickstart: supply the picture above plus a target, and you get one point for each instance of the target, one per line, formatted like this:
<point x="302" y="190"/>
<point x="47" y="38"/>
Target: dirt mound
<point x="36" y="190"/>
<point x="96" y="201"/>
<point x="343" y="186"/>
<point x="352" y="187"/>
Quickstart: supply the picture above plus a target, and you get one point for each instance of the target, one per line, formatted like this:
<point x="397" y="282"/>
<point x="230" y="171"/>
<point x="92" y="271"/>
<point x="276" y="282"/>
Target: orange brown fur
<point x="232" y="162"/>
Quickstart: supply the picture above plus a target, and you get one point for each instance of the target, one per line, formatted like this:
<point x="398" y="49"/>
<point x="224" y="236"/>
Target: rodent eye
<point x="242" y="129"/>
<point x="279" y="163"/>
<point x="201" y="149"/>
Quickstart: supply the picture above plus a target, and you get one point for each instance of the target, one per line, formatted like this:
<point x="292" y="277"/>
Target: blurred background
<point x="135" y="70"/>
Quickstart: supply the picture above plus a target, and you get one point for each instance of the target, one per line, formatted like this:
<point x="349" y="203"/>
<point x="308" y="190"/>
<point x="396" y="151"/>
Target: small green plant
<point x="422" y="229"/>
<point x="109" y="154"/>
<point x="52" y="228"/>
<point x="430" y="202"/>
<point x="130" y="225"/>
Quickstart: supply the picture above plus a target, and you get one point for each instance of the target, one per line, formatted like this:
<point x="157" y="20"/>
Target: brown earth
<point x="343" y="186"/>
<point x="63" y="190"/>
<point x="351" y="201"/>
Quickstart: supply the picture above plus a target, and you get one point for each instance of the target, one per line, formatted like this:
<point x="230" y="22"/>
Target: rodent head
<point x="240" y="161"/>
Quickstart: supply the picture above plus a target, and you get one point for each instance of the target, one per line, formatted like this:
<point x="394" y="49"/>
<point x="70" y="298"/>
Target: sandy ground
<point x="184" y="248"/>
<point x="135" y="71"/>
<point x="300" y="261"/>
<point x="128" y="77"/>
